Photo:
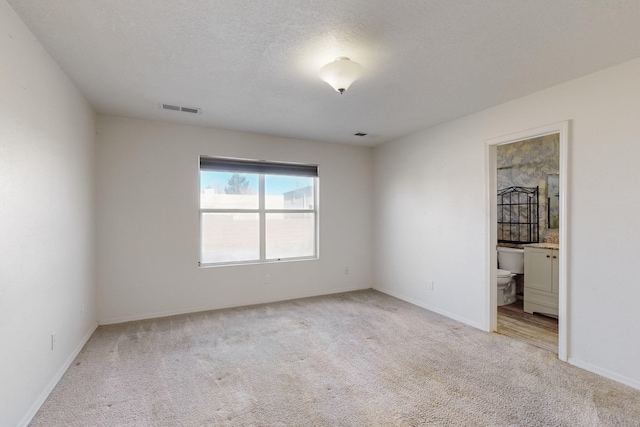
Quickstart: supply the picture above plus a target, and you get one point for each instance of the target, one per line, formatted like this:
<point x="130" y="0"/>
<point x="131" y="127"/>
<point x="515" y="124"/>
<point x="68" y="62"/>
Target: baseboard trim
<point x="429" y="307"/>
<point x="168" y="313"/>
<point x="54" y="381"/>
<point x="605" y="373"/>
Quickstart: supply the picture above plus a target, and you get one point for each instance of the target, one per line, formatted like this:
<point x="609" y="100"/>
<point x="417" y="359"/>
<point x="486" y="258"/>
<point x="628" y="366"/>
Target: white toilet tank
<point x="511" y="259"/>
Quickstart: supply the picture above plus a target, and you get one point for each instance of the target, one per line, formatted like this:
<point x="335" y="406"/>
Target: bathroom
<point x="528" y="217"/>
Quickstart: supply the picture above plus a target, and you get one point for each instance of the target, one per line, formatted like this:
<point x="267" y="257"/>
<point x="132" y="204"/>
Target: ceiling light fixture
<point x="341" y="73"/>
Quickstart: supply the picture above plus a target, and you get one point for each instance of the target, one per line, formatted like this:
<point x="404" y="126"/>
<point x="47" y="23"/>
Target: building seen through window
<point x="256" y="211"/>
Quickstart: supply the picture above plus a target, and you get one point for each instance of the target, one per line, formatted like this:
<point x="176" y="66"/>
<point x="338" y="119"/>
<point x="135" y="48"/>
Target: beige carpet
<point x="354" y="359"/>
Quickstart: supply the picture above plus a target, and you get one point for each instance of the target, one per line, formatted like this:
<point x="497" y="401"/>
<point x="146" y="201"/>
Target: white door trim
<point x="562" y="128"/>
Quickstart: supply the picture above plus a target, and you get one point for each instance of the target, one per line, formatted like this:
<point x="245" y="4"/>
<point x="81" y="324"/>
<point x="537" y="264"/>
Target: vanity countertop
<point x="511" y="245"/>
<point x="543" y="245"/>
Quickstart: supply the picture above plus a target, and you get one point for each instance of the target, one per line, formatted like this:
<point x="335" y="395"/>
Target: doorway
<point x="562" y="129"/>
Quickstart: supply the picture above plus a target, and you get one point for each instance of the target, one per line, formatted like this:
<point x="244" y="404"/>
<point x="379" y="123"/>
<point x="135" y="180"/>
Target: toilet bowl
<point x="506" y="287"/>
<point x="510" y="263"/>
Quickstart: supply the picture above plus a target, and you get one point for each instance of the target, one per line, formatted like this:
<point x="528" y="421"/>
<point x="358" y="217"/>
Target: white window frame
<point x="262" y="211"/>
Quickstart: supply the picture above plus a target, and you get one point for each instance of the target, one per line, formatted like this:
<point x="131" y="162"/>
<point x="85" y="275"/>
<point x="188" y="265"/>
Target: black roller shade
<point x="257" y="166"/>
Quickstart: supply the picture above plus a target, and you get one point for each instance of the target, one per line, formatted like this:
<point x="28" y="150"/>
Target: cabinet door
<point x="538" y="269"/>
<point x="554" y="273"/>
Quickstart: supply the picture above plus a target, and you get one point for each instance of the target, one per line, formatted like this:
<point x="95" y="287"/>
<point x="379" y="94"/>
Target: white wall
<point x="148" y="221"/>
<point x="46" y="221"/>
<point x="431" y="213"/>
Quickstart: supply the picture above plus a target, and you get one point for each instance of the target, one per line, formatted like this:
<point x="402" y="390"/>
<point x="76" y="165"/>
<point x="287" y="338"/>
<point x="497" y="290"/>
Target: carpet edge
<point x="37" y="404"/>
<point x="430" y="308"/>
<point x="169" y="313"/>
<point x="604" y="373"/>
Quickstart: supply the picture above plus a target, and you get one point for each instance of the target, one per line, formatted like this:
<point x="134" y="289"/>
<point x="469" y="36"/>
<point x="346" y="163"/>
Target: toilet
<point x="510" y="263"/>
<point x="506" y="287"/>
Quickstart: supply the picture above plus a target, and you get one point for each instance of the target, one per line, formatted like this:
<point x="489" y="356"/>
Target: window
<point x="255" y="211"/>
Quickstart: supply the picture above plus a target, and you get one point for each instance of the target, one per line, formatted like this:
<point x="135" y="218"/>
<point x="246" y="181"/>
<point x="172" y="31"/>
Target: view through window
<point x="253" y="211"/>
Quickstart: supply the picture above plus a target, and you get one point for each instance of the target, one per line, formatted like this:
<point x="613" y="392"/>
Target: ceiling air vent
<point x="183" y="109"/>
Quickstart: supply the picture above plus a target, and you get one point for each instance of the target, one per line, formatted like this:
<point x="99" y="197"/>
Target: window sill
<point x="272" y="261"/>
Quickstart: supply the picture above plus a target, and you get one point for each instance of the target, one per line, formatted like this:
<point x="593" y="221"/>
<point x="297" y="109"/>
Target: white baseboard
<point x="430" y="308"/>
<point x="605" y="373"/>
<point x="159" y="314"/>
<point x="54" y="381"/>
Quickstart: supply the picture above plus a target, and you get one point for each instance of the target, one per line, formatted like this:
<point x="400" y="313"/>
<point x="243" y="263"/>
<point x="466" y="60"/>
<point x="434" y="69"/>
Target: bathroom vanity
<point x="541" y="278"/>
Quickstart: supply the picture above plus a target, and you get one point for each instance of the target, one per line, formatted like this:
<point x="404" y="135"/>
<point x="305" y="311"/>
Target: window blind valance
<point x="257" y="166"/>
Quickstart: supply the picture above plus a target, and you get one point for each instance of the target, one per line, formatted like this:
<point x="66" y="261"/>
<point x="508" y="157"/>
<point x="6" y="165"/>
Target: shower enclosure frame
<point x="518" y="215"/>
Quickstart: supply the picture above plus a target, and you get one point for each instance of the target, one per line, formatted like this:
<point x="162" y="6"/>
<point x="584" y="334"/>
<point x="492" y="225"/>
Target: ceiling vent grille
<point x="183" y="109"/>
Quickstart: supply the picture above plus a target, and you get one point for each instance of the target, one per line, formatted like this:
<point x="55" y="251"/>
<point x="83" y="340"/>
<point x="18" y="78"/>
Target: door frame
<point x="491" y="291"/>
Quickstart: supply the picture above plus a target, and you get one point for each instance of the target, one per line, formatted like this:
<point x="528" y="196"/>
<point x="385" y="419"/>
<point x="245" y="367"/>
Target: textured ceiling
<point x="253" y="65"/>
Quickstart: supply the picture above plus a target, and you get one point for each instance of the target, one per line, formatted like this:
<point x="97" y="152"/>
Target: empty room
<point x="338" y="213"/>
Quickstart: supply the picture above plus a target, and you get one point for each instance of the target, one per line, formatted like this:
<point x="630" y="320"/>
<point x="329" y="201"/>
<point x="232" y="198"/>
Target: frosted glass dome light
<point x="341" y="73"/>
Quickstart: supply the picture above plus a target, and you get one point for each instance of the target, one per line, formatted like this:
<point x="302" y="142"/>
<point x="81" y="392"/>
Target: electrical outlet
<point x="267" y="278"/>
<point x="54" y="341"/>
<point x="430" y="285"/>
<point x="346" y="270"/>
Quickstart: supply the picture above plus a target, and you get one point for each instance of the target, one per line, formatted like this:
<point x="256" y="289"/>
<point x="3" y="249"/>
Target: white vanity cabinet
<point x="541" y="280"/>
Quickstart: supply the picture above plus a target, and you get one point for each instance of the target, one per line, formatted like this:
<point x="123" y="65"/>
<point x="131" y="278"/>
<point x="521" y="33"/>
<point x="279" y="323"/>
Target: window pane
<point x="228" y="237"/>
<point x="228" y="190"/>
<point x="288" y="192"/>
<point x="290" y="235"/>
